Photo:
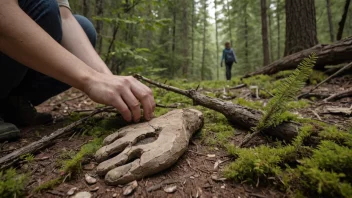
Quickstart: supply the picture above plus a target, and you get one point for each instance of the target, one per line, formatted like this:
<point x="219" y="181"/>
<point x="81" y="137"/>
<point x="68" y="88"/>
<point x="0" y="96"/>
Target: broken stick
<point x="240" y="116"/>
<point x="12" y="158"/>
<point x="346" y="67"/>
<point x="342" y="94"/>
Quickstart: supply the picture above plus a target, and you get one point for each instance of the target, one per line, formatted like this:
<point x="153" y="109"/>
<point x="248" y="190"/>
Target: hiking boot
<point x="8" y="131"/>
<point x="21" y="112"/>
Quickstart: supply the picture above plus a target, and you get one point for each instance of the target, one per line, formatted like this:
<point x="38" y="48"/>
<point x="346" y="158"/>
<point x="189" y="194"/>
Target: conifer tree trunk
<point x="86" y="5"/>
<point x="265" y="33"/>
<point x="217" y="40"/>
<point x="204" y="38"/>
<point x="193" y="26"/>
<point x="331" y="26"/>
<point x="229" y="20"/>
<point x="246" y="53"/>
<point x="301" y="30"/>
<point x="185" y="38"/>
<point x="99" y="26"/>
<point x="278" y="21"/>
<point x="271" y="41"/>
<point x="343" y="20"/>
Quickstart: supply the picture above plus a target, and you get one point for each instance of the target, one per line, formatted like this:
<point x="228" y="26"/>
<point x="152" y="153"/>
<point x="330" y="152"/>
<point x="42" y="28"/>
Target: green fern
<point x="286" y="92"/>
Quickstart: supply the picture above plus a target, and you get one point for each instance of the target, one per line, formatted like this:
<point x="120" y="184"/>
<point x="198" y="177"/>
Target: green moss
<point x="247" y="103"/>
<point x="317" y="77"/>
<point x="300" y="104"/>
<point x="73" y="165"/>
<point x="12" y="184"/>
<point x="48" y="185"/>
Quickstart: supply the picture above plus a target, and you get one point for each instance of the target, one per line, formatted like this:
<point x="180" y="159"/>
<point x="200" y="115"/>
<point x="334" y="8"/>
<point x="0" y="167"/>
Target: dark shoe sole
<point x="8" y="132"/>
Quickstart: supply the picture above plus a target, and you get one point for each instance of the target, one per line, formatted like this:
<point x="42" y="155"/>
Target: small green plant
<point x="49" y="184"/>
<point x="287" y="91"/>
<point x="12" y="184"/>
<point x="28" y="158"/>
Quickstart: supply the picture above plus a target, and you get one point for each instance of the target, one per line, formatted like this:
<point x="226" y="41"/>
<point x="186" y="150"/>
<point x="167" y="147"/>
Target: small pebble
<point x="114" y="195"/>
<point x="223" y="187"/>
<point x="83" y="194"/>
<point x="90" y="180"/>
<point x="130" y="187"/>
<point x="89" y="166"/>
<point x="170" y="189"/>
<point x="71" y="191"/>
<point x="216" y="178"/>
<point x="191" y="177"/>
<point x="211" y="155"/>
<point x="94" y="189"/>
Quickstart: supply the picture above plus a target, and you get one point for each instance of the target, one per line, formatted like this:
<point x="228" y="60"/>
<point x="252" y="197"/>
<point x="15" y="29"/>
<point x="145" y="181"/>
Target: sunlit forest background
<point x="185" y="38"/>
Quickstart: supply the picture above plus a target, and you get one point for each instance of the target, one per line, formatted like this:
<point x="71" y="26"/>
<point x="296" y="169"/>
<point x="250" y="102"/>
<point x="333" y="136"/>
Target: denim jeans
<point x="19" y="80"/>
<point x="228" y="70"/>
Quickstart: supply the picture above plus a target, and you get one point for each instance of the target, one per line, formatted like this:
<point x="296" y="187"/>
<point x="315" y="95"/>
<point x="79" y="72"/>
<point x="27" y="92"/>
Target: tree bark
<point x="204" y="39"/>
<point x="332" y="54"/>
<point x="343" y="20"/>
<point x="185" y="39"/>
<point x="229" y="20"/>
<point x="99" y="26"/>
<point x="246" y="52"/>
<point x="270" y="30"/>
<point x="331" y="26"/>
<point x="217" y="40"/>
<point x="86" y="6"/>
<point x="193" y="26"/>
<point x="301" y="30"/>
<point x="278" y="20"/>
<point x="265" y="32"/>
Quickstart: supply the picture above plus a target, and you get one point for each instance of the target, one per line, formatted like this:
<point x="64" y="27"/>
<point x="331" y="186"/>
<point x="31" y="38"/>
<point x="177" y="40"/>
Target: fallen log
<point x="12" y="158"/>
<point x="328" y="54"/>
<point x="240" y="116"/>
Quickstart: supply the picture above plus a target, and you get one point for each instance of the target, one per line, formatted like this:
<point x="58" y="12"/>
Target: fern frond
<point x="287" y="92"/>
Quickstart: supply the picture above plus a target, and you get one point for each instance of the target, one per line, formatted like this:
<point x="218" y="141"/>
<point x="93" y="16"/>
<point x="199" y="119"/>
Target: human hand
<point x="125" y="93"/>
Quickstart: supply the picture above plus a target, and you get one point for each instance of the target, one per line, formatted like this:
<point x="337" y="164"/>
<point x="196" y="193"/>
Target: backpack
<point x="229" y="56"/>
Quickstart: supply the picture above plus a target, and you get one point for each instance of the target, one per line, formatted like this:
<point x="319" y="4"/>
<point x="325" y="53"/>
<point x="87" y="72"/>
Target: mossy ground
<point x="296" y="168"/>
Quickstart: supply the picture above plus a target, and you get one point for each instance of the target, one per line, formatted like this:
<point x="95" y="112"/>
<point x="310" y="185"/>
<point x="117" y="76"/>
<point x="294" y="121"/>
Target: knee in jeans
<point x="88" y="28"/>
<point x="46" y="14"/>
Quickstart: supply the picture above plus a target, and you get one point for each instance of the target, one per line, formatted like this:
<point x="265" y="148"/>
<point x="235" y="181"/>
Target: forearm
<point x="23" y="40"/>
<point x="76" y="41"/>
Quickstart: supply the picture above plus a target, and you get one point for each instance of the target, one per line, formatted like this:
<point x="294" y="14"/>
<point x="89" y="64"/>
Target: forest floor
<point x="193" y="170"/>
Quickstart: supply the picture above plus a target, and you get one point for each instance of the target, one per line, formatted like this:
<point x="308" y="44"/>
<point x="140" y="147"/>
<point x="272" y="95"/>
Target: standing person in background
<point x="229" y="56"/>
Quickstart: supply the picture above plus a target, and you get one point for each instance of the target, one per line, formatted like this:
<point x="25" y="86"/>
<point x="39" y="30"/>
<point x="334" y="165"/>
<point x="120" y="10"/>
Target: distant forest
<point x="184" y="38"/>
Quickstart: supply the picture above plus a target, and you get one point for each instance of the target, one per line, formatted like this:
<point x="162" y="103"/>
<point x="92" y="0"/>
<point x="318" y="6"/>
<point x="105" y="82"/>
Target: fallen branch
<point x="331" y="54"/>
<point x="342" y="94"/>
<point x="240" y="116"/>
<point x="348" y="66"/>
<point x="316" y="95"/>
<point x="12" y="158"/>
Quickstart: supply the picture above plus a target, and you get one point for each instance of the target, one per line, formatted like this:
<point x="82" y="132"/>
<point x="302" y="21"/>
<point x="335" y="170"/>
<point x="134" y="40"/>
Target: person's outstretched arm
<point x="76" y="41"/>
<point x="23" y="40"/>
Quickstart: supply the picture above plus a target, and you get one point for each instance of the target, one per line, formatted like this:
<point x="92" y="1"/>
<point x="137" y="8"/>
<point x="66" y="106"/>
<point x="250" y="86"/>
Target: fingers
<point x="145" y="96"/>
<point x="133" y="104"/>
<point x="120" y="105"/>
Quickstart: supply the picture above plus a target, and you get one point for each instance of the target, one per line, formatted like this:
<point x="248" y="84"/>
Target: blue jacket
<point x="225" y="51"/>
